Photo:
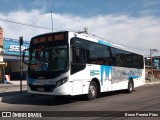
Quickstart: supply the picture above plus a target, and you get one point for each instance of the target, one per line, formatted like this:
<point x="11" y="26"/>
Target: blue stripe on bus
<point x="104" y="43"/>
<point x="133" y="77"/>
<point x="105" y="72"/>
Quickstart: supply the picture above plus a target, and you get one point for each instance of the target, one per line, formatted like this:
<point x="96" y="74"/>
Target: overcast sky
<point x="134" y="24"/>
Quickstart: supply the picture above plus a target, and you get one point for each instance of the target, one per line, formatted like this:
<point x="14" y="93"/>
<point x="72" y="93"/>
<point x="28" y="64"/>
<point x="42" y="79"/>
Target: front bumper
<point x="49" y="89"/>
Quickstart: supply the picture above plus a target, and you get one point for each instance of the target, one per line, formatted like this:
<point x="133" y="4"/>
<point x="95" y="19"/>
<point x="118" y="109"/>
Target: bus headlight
<point x="61" y="82"/>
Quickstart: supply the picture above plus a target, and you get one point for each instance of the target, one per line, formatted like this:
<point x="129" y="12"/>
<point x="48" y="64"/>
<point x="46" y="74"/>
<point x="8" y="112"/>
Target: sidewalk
<point x="155" y="81"/>
<point x="14" y="82"/>
<point x="12" y="86"/>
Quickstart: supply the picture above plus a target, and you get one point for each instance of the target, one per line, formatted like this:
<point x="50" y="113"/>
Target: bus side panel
<point x="121" y="76"/>
<point x="77" y="87"/>
<point x="106" y="73"/>
<point x="81" y="79"/>
<point x="141" y="80"/>
<point x="110" y="78"/>
<point x="85" y="86"/>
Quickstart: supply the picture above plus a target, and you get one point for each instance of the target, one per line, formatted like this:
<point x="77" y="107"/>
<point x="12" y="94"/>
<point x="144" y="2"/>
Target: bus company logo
<point x="94" y="72"/>
<point x="6" y="114"/>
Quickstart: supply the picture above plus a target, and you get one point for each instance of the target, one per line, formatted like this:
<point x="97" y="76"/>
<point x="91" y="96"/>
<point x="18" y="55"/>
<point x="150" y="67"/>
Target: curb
<point x="7" y="85"/>
<point x="11" y="84"/>
<point x="152" y="83"/>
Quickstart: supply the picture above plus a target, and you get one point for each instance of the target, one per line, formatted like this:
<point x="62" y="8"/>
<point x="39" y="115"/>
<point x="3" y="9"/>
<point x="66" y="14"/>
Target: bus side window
<point x="79" y="56"/>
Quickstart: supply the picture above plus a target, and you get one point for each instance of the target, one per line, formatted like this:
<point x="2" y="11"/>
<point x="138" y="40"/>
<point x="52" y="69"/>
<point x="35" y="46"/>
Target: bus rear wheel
<point x="93" y="91"/>
<point x="130" y="86"/>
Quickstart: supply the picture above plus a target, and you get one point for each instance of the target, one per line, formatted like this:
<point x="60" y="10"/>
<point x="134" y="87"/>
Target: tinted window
<point x="107" y="55"/>
<point x="79" y="55"/>
<point x="96" y="53"/>
<point x="104" y="55"/>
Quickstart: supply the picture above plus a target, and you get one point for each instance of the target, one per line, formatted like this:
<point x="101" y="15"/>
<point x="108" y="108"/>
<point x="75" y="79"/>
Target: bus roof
<point x="91" y="37"/>
<point x="94" y="38"/>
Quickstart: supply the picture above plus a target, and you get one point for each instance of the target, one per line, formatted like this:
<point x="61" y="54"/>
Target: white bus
<point x="71" y="63"/>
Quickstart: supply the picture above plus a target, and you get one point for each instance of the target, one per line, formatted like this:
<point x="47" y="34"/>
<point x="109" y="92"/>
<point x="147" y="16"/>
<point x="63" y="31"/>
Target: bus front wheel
<point x="93" y="91"/>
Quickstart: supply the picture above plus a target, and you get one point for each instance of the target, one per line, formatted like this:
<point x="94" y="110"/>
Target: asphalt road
<point x="144" y="98"/>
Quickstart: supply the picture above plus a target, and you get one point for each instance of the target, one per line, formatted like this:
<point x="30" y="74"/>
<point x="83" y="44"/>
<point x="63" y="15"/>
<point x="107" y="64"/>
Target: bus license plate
<point x="40" y="89"/>
<point x="40" y="82"/>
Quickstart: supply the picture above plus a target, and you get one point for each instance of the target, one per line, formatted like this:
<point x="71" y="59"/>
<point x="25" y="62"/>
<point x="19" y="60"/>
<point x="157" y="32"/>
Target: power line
<point x="41" y="27"/>
<point x="126" y="46"/>
<point x="25" y="24"/>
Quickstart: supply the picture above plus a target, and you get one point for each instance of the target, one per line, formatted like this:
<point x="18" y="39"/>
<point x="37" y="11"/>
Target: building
<point x="10" y="58"/>
<point x="2" y="63"/>
<point x="11" y="55"/>
<point x="153" y="67"/>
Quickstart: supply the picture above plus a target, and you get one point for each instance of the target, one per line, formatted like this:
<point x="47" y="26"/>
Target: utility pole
<point x="52" y="21"/>
<point x="20" y="44"/>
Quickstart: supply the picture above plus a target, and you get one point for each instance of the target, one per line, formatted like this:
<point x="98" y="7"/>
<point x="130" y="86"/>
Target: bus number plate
<point x="40" y="89"/>
<point x="40" y="82"/>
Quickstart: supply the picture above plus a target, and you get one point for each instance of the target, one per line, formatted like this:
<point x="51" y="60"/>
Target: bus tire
<point x="92" y="91"/>
<point x="130" y="86"/>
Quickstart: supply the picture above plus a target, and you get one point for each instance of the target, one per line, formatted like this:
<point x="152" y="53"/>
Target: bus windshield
<point x="49" y="58"/>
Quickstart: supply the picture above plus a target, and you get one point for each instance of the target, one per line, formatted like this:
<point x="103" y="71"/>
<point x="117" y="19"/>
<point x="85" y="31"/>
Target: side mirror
<point x="24" y="56"/>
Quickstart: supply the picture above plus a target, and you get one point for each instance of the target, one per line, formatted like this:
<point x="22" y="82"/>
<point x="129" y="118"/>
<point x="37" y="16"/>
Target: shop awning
<point x="3" y="64"/>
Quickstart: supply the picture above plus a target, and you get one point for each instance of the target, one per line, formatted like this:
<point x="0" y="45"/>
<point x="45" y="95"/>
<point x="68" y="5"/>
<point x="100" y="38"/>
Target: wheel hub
<point x="92" y="91"/>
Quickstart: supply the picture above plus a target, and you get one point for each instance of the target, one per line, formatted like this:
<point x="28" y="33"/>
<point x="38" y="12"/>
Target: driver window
<point x="79" y="55"/>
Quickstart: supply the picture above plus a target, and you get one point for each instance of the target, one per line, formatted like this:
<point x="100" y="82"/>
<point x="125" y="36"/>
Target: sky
<point x="134" y="24"/>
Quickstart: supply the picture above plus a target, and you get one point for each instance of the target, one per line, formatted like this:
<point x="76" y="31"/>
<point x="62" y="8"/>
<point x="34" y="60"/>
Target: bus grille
<point x="48" y="88"/>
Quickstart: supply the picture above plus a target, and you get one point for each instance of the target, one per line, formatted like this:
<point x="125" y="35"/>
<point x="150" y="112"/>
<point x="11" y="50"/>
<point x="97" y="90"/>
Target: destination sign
<point x="37" y="49"/>
<point x="49" y="38"/>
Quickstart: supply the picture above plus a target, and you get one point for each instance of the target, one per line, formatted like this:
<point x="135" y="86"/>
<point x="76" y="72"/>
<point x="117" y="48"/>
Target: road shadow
<point x="12" y="93"/>
<point x="112" y="93"/>
<point x="26" y="99"/>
